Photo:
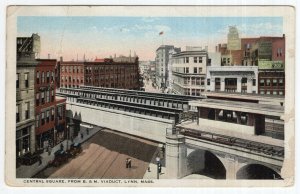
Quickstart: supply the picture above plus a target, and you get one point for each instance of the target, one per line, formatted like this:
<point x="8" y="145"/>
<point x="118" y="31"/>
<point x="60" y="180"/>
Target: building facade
<point x="189" y="71"/>
<point x="266" y="53"/>
<point x="25" y="111"/>
<point x="162" y="65"/>
<point x="121" y="72"/>
<point x="50" y="122"/>
<point x="234" y="79"/>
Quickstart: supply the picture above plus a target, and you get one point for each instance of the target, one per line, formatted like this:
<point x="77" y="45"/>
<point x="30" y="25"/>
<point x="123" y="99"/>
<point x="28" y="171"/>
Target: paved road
<point x="104" y="157"/>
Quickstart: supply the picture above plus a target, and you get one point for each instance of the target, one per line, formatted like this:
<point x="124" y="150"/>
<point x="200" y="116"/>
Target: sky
<point x="105" y="36"/>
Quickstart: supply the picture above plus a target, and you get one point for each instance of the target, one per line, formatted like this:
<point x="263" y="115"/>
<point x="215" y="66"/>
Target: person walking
<point x="127" y="164"/>
<point x="40" y="160"/>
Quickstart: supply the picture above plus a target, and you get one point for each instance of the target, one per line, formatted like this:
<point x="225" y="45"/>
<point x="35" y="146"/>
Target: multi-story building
<point x="162" y="64"/>
<point x="118" y="72"/>
<point x="266" y="53"/>
<point x="189" y="71"/>
<point x="27" y="48"/>
<point x="50" y="122"/>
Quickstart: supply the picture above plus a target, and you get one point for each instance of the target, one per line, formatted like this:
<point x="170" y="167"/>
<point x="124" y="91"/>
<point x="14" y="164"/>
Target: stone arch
<point x="257" y="171"/>
<point x="205" y="163"/>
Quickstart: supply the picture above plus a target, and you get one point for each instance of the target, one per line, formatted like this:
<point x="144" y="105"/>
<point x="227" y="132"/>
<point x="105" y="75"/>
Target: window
<point x="262" y="82"/>
<point x="26" y="80"/>
<point x="274" y="92"/>
<point x="281" y="82"/>
<point x="43" y="77"/>
<point x="228" y="60"/>
<point x="43" y="97"/>
<point x="268" y="92"/>
<point x="62" y="78"/>
<point x="52" y="77"/>
<point x="27" y="104"/>
<point x="198" y="81"/>
<point x="208" y="82"/>
<point x="187" y="59"/>
<point x="52" y="95"/>
<point x="52" y="114"/>
<point x="47" y="96"/>
<point x="37" y="99"/>
<point x="17" y="114"/>
<point x="262" y="92"/>
<point x="48" y="116"/>
<point x="193" y="92"/>
<point x="281" y="93"/>
<point x="43" y="118"/>
<point x="268" y="82"/>
<point x="200" y="59"/>
<point x="186" y="70"/>
<point x="274" y="82"/>
<point x="193" y="81"/>
<point x="37" y="77"/>
<point x="198" y="92"/>
<point x="37" y="121"/>
<point x="200" y="69"/>
<point x="254" y="82"/>
<point x="17" y="80"/>
<point x="62" y="69"/>
<point x="195" y="69"/>
<point x="48" y="76"/>
<point x="202" y="81"/>
<point x="195" y="59"/>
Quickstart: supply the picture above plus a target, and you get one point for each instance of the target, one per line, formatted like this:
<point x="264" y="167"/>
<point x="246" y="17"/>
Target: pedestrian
<point x="149" y="169"/>
<point x="49" y="150"/>
<point x="127" y="163"/>
<point x="81" y="134"/>
<point x="40" y="160"/>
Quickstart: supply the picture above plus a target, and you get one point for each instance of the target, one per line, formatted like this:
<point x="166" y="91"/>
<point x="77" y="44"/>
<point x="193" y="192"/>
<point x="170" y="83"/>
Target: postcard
<point x="150" y="96"/>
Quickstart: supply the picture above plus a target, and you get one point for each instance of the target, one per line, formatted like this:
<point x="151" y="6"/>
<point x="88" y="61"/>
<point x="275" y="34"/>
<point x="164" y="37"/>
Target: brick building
<point x="267" y="53"/>
<point x="50" y="121"/>
<point x="40" y="117"/>
<point x="118" y="72"/>
<point x="25" y="111"/>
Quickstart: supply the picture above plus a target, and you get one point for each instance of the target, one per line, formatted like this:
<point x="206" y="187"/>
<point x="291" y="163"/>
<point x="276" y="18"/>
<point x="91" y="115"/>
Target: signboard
<point x="270" y="65"/>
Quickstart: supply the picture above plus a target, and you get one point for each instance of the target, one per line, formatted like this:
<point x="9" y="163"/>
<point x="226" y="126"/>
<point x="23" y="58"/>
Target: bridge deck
<point x="216" y="130"/>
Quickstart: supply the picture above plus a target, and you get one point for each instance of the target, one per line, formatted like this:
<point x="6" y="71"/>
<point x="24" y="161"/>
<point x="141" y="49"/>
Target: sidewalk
<point x="29" y="171"/>
<point x="153" y="168"/>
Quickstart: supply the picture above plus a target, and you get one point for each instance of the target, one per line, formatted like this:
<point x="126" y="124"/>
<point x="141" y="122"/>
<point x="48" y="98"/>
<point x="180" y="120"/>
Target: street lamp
<point x="68" y="137"/>
<point x="158" y="166"/>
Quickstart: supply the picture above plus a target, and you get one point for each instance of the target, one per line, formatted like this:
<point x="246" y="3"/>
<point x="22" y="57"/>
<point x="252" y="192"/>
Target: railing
<point x="232" y="141"/>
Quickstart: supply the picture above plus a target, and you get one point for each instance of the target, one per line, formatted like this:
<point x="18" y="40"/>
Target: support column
<point x="176" y="166"/>
<point x="212" y="84"/>
<point x="249" y="85"/>
<point x="239" y="85"/>
<point x="231" y="165"/>
<point x="222" y="89"/>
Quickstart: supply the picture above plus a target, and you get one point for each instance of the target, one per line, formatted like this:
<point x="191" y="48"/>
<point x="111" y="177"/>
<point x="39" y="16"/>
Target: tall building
<point x="162" y="66"/>
<point x="189" y="71"/>
<point x="50" y="124"/>
<point x="266" y="54"/>
<point x="118" y="72"/>
<point x="27" y="48"/>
